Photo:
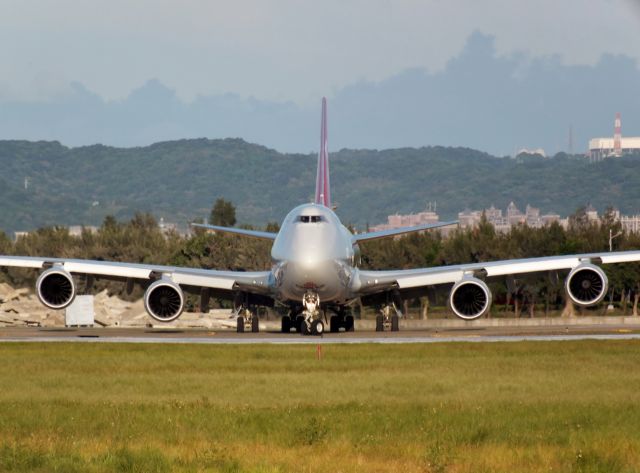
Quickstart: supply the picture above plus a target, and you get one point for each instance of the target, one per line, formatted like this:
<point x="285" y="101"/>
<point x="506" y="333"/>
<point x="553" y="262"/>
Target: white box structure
<point x="80" y="312"/>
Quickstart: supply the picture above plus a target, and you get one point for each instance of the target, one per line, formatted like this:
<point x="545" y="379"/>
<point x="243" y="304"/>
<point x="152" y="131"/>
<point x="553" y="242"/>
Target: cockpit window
<point x="310" y="218"/>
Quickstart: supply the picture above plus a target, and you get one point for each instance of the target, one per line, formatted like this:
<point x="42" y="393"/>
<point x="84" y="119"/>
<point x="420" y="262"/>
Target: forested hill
<point x="179" y="180"/>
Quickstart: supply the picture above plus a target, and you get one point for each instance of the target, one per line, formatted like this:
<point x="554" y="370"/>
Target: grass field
<point x="463" y="407"/>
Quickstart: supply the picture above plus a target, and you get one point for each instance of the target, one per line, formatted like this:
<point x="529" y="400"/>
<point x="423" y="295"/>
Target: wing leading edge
<point x="237" y="231"/>
<point x="399" y="231"/>
<point x="369" y="282"/>
<point x="256" y="281"/>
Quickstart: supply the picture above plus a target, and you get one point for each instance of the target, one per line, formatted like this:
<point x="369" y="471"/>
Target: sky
<point x="283" y="50"/>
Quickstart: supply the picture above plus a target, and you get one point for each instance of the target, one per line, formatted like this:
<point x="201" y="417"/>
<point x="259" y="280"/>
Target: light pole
<point x="611" y="237"/>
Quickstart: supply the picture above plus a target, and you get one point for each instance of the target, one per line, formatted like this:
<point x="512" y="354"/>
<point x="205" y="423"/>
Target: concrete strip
<point x="299" y="340"/>
<point x="432" y="324"/>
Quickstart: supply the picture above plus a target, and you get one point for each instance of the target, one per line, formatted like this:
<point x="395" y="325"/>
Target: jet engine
<point x="164" y="300"/>
<point x="470" y="298"/>
<point x="586" y="285"/>
<point x="55" y="288"/>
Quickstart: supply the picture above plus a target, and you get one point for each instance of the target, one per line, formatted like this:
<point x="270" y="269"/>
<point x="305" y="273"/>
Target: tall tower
<point x="617" y="136"/>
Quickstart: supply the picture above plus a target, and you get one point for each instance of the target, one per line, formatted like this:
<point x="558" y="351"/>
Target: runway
<point x="200" y="336"/>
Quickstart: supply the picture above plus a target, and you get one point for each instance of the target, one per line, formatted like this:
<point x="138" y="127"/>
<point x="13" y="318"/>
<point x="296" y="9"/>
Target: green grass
<point x="456" y="407"/>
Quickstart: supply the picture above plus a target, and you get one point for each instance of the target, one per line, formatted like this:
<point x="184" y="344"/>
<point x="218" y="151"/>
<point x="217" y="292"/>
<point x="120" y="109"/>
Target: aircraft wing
<point x="371" y="282"/>
<point x="237" y="231"/>
<point x="256" y="282"/>
<point x="398" y="231"/>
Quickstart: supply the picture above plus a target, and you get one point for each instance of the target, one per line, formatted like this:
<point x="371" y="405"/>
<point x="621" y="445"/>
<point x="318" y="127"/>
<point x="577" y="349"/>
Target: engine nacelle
<point x="470" y="298"/>
<point x="55" y="288"/>
<point x="164" y="300"/>
<point x="586" y="285"/>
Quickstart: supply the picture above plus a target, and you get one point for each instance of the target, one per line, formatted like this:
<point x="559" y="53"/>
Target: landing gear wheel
<point x="286" y="324"/>
<point x="317" y="327"/>
<point x="334" y="324"/>
<point x="255" y="324"/>
<point x="299" y="323"/>
<point x="349" y="323"/>
<point x="395" y="323"/>
<point x="240" y="325"/>
<point x="379" y="323"/>
<point x="304" y="328"/>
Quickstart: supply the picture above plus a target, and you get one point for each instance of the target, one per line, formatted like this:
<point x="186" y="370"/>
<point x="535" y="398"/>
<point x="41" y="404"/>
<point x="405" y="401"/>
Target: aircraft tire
<point x="349" y="323"/>
<point x="334" y="324"/>
<point x="299" y="323"/>
<point x="286" y="324"/>
<point x="395" y="323"/>
<point x="255" y="324"/>
<point x="317" y="327"/>
<point x="379" y="323"/>
<point x="240" y="325"/>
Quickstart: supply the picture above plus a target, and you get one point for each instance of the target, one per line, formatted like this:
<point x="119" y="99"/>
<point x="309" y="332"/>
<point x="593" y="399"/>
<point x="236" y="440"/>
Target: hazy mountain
<point x="480" y="100"/>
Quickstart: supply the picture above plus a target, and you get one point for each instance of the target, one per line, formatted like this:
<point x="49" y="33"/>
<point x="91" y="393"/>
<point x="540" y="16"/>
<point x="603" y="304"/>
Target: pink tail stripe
<point x="323" y="188"/>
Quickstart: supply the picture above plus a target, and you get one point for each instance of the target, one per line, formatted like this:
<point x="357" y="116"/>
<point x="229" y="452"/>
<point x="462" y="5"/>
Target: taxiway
<point x="429" y="335"/>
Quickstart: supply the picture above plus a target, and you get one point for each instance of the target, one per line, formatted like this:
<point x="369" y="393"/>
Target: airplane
<point x="315" y="271"/>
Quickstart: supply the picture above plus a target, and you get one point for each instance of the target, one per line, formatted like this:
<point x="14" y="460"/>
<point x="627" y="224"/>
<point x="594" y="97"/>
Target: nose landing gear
<point x="311" y="323"/>
<point x="315" y="327"/>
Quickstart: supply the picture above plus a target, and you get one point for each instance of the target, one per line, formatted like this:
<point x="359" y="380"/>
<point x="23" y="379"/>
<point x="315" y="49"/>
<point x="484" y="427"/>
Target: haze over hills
<point x="480" y="100"/>
<point x="180" y="180"/>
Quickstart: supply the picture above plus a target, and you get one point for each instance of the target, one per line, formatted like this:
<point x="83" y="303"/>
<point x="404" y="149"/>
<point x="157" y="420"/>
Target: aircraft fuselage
<point x="313" y="252"/>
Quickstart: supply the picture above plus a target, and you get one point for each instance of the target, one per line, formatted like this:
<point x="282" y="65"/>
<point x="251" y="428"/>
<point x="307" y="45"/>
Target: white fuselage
<point x="313" y="252"/>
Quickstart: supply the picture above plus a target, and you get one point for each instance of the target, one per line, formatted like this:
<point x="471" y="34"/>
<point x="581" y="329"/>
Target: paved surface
<point x="430" y="335"/>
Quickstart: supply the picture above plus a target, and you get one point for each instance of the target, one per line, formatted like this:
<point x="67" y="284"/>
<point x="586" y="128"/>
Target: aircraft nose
<point x="311" y="271"/>
<point x="309" y="261"/>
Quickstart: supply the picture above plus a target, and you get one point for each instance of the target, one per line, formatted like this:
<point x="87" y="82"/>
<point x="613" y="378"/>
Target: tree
<point x="579" y="221"/>
<point x="273" y="227"/>
<point x="5" y="243"/>
<point x="223" y="214"/>
<point x="109" y="222"/>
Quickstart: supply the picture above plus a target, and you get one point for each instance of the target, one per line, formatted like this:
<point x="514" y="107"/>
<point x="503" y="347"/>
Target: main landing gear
<point x="341" y="320"/>
<point x="385" y="320"/>
<point x="247" y="320"/>
<point x="292" y="321"/>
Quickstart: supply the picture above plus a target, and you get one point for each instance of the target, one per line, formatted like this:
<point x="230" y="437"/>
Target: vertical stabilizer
<point x="323" y="188"/>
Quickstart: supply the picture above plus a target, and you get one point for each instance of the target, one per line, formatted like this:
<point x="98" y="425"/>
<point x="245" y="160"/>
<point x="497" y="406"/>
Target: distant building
<point x="600" y="148"/>
<point x="533" y="219"/>
<point x="166" y="227"/>
<point x="503" y="223"/>
<point x="469" y="218"/>
<point x="614" y="147"/>
<point x="411" y="220"/>
<point x="76" y="230"/>
<point x="630" y="223"/>
<point x="592" y="214"/>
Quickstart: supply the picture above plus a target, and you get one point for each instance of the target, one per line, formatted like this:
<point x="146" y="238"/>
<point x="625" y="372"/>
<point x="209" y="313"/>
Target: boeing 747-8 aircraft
<point x="315" y="273"/>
